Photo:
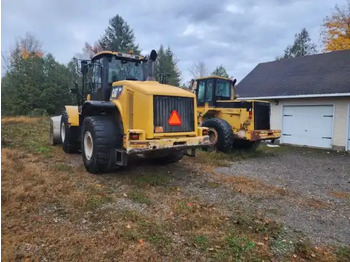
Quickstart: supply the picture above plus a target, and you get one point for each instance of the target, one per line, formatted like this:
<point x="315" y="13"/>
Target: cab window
<point x="201" y="91"/>
<point x="209" y="92"/>
<point x="223" y="89"/>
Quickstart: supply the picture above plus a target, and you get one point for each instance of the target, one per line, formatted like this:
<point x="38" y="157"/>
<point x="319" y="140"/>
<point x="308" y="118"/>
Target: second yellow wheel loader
<point x="232" y="123"/>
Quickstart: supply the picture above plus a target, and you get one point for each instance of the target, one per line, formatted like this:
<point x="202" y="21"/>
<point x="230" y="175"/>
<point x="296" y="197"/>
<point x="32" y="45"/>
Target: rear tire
<point x="220" y="133"/>
<point x="101" y="136"/>
<point x="69" y="135"/>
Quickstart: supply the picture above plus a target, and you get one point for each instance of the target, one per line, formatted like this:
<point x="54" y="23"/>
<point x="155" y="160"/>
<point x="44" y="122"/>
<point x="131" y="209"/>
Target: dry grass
<point x="53" y="210"/>
<point x="344" y="195"/>
<point x="19" y="119"/>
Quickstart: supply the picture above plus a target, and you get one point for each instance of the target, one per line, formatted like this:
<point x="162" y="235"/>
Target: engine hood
<point x="154" y="88"/>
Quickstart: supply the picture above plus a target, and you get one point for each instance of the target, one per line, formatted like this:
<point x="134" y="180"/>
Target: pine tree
<point x="220" y="71"/>
<point x="302" y="46"/>
<point x="119" y="37"/>
<point x="166" y="67"/>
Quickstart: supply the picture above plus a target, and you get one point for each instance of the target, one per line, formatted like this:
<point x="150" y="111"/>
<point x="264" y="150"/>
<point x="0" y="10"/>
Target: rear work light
<point x="134" y="136"/>
<point x="158" y="129"/>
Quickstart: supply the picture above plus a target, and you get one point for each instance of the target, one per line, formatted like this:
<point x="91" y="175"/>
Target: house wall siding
<point x="341" y="107"/>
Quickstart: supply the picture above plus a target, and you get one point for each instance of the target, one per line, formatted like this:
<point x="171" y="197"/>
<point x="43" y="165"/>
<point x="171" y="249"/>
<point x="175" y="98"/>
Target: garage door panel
<point x="308" y="125"/>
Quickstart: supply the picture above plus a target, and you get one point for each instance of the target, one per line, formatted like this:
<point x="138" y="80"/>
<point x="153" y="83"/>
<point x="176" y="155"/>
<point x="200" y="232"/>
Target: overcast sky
<point x="237" y="34"/>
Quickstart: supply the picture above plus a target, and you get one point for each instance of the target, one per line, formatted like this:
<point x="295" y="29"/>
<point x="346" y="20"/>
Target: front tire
<point x="69" y="135"/>
<point x="101" y="136"/>
<point x="220" y="134"/>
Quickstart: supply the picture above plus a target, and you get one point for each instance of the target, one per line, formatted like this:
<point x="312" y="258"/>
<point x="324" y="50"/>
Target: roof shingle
<point x="327" y="73"/>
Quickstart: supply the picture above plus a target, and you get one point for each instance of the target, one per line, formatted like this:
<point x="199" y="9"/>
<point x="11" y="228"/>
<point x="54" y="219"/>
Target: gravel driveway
<point x="316" y="186"/>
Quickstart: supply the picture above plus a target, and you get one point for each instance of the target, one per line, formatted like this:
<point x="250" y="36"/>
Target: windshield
<point x="125" y="70"/>
<point x="223" y="88"/>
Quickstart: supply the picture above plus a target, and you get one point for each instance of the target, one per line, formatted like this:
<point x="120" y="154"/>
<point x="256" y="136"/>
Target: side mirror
<point x="153" y="55"/>
<point x="83" y="67"/>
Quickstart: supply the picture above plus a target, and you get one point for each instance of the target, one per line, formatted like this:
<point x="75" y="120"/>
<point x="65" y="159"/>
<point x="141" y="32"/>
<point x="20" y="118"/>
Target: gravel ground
<point x="317" y="185"/>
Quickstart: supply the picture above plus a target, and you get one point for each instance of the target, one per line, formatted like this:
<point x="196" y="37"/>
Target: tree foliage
<point x="34" y="82"/>
<point x="336" y="29"/>
<point x="118" y="37"/>
<point x="302" y="46"/>
<point x="166" y="67"/>
<point x="220" y="71"/>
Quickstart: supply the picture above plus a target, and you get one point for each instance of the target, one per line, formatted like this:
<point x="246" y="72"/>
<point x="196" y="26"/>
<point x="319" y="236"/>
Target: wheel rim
<point x="88" y="145"/>
<point x="63" y="132"/>
<point x="213" y="136"/>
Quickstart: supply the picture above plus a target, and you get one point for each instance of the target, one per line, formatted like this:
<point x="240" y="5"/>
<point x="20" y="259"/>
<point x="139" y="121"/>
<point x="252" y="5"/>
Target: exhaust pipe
<point x="151" y="66"/>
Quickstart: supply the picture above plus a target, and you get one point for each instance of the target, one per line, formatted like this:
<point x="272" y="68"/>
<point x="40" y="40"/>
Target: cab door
<point x="205" y="92"/>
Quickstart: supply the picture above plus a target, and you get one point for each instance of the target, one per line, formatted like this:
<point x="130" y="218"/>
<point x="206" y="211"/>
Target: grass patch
<point x="30" y="134"/>
<point x="223" y="160"/>
<point x="238" y="248"/>
<point x="343" y="253"/>
<point x="95" y="202"/>
<point x="63" y="167"/>
<point x="151" y="179"/>
<point x="201" y="241"/>
<point x="139" y="196"/>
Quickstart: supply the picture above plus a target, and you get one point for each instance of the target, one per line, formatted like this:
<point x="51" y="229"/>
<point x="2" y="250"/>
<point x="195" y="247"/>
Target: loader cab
<point x="107" y="67"/>
<point x="212" y="89"/>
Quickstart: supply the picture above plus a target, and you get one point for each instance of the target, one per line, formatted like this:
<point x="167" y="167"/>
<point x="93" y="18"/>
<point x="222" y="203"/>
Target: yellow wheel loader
<point x="232" y="123"/>
<point x="123" y="111"/>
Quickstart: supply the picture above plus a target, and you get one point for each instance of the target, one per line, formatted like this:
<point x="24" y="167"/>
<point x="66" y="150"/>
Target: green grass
<point x="238" y="248"/>
<point x="201" y="241"/>
<point x="151" y="179"/>
<point x="139" y="196"/>
<point x="63" y="167"/>
<point x="31" y="136"/>
<point x="343" y="253"/>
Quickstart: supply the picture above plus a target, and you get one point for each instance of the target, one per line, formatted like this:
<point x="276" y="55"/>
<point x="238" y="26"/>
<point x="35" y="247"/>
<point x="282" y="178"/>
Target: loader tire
<point x="171" y="158"/>
<point x="69" y="135"/>
<point x="220" y="133"/>
<point x="100" y="137"/>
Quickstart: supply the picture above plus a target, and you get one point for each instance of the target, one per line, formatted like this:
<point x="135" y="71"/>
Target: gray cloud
<point x="237" y="34"/>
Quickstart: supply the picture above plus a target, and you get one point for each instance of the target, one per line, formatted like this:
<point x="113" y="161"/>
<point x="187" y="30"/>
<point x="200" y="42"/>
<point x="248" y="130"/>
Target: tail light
<point x="134" y="136"/>
<point x="250" y="114"/>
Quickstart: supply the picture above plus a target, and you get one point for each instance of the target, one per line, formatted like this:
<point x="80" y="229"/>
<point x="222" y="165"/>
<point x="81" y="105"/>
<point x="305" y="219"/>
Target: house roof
<point x="309" y="76"/>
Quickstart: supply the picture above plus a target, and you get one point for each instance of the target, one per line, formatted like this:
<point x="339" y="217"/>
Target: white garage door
<point x="308" y="125"/>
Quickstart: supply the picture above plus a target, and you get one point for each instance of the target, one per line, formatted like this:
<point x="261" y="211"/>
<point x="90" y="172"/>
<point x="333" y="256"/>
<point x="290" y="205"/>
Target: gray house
<point x="309" y="96"/>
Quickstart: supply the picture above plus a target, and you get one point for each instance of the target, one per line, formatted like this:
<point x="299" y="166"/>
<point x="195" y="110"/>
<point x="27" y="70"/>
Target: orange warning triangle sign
<point x="174" y="119"/>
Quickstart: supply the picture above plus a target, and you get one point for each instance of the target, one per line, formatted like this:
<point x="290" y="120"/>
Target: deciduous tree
<point x="198" y="70"/>
<point x="336" y="29"/>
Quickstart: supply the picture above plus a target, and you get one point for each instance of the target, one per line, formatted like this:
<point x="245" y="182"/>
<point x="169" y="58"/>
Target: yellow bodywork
<point x="241" y="122"/>
<point x="73" y="115"/>
<point x="135" y="104"/>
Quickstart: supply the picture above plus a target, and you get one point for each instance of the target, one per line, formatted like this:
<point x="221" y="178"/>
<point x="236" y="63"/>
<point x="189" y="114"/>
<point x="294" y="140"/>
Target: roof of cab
<point x="210" y="77"/>
<point x="118" y="54"/>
